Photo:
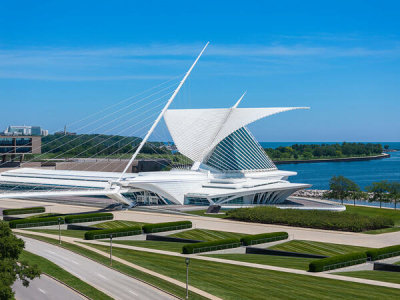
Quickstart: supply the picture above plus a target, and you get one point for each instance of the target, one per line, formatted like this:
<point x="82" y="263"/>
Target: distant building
<point x="14" y="147"/>
<point x="26" y="131"/>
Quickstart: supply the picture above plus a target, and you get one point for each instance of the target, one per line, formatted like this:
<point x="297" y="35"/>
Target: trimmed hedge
<point x="35" y="222"/>
<point x="381" y="253"/>
<point x="263" y="238"/>
<point x="330" y="220"/>
<point x="337" y="261"/>
<point x="158" y="227"/>
<point x="116" y="232"/>
<point x="88" y="217"/>
<point x="210" y="246"/>
<point x="21" y="211"/>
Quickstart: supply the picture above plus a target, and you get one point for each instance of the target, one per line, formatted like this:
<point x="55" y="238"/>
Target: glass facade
<point x="239" y="151"/>
<point x="192" y="200"/>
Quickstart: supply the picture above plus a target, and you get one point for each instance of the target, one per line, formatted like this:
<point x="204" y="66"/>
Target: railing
<point x="216" y="247"/>
<point x="116" y="234"/>
<point x="387" y="255"/>
<point x="160" y="229"/>
<point x="266" y="240"/>
<point x="344" y="264"/>
<point x="36" y="224"/>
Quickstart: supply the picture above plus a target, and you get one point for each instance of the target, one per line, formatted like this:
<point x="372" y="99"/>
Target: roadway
<point x="44" y="288"/>
<point x="109" y="281"/>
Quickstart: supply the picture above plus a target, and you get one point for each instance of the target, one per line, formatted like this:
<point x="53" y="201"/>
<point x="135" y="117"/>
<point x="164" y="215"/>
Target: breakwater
<point x="339" y="159"/>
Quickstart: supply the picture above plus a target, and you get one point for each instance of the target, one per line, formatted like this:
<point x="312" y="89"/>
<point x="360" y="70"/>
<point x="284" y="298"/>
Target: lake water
<point x="362" y="172"/>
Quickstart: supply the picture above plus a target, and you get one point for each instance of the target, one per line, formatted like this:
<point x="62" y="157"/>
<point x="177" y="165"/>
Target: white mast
<point x="161" y="114"/>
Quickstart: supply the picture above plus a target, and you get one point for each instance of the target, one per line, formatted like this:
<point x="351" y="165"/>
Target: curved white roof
<point x="197" y="131"/>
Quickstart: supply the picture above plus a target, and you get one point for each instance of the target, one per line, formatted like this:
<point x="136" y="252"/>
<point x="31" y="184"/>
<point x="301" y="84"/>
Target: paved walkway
<point x="86" y="245"/>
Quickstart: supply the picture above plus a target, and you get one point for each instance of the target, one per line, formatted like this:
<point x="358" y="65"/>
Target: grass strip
<point x="64" y="232"/>
<point x="300" y="263"/>
<point x="207" y="235"/>
<point x="147" y="278"/>
<point x="57" y="272"/>
<point x="319" y="248"/>
<point x="239" y="282"/>
<point x="117" y="224"/>
<point x="385" y="276"/>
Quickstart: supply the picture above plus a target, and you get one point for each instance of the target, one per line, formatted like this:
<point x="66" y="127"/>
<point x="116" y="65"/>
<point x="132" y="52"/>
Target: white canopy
<point x="197" y="131"/>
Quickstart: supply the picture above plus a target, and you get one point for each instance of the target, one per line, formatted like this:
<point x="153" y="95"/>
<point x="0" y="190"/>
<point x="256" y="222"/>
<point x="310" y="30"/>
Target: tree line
<point x="85" y="145"/>
<point x="342" y="188"/>
<point x="315" y="151"/>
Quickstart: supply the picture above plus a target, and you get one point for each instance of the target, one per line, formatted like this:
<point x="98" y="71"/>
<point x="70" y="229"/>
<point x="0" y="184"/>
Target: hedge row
<point x="88" y="217"/>
<point x="116" y="232"/>
<point x="210" y="246"/>
<point x="331" y="220"/>
<point x="158" y="227"/>
<point x="381" y="253"/>
<point x="263" y="238"/>
<point x="21" y="211"/>
<point x="337" y="261"/>
<point x="35" y="222"/>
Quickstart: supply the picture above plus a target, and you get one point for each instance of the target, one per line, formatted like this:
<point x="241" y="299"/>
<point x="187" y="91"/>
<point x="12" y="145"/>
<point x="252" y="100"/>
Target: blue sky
<point x="63" y="60"/>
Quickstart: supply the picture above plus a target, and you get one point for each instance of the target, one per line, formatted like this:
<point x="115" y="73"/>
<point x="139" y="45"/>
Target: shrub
<point x="115" y="232"/>
<point x="381" y="253"/>
<point x="35" y="222"/>
<point x="88" y="217"/>
<point x="330" y="220"/>
<point x="263" y="238"/>
<point x="158" y="227"/>
<point x="21" y="211"/>
<point x="210" y="246"/>
<point x="337" y="261"/>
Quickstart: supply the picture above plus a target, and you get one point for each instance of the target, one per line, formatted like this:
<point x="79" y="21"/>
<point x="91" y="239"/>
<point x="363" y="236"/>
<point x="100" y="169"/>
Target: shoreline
<point x="338" y="159"/>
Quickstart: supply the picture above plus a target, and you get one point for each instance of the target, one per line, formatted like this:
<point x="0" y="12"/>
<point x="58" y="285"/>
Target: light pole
<point x="59" y="230"/>
<point x="110" y="249"/>
<point x="187" y="261"/>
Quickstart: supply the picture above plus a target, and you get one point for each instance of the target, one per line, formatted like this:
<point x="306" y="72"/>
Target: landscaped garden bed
<point x="344" y="221"/>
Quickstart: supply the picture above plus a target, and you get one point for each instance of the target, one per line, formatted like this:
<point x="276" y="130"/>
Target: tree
<point x="10" y="268"/>
<point x="380" y="190"/>
<point x="394" y="192"/>
<point x="341" y="187"/>
<point x="357" y="195"/>
<point x="386" y="147"/>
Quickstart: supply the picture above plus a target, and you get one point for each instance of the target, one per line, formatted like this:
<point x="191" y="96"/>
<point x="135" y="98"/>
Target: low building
<point x="25" y="131"/>
<point x="14" y="147"/>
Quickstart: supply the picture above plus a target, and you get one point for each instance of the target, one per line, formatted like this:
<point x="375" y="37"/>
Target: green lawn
<point x="386" y="276"/>
<point x="372" y="212"/>
<point x="206" y="235"/>
<point x="162" y="284"/>
<point x="64" y="232"/>
<point x="167" y="246"/>
<point x="234" y="282"/>
<point x="54" y="270"/>
<point x="117" y="224"/>
<point x="273" y="260"/>
<point x="237" y="282"/>
<point x="202" y="212"/>
<point x="319" y="248"/>
<point x="384" y="230"/>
